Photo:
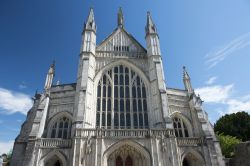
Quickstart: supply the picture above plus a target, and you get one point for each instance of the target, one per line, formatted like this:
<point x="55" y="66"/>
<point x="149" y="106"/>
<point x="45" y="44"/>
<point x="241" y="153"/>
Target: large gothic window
<point x="180" y="128"/>
<point x="121" y="100"/>
<point x="61" y="128"/>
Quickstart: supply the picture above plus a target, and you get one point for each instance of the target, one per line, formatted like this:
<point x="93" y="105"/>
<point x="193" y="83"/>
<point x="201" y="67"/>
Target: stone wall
<point x="242" y="155"/>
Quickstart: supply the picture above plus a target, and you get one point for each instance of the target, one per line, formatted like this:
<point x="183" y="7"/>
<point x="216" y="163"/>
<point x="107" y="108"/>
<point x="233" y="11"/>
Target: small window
<point x="121" y="105"/>
<point x="134" y="105"/>
<point x="126" y="79"/>
<point x="122" y="120"/>
<point x="180" y="128"/>
<point x="140" y="120"/>
<point x="121" y="79"/>
<point x="135" y="121"/>
<point x="61" y="128"/>
<point x="127" y="105"/>
<point x="109" y="91"/>
<point x="116" y="79"/>
<point x="103" y="119"/>
<point x="97" y="119"/>
<point x="109" y="119"/>
<point x="128" y="123"/>
<point x="103" y="104"/>
<point x="104" y="91"/>
<point x="134" y="92"/>
<point x="98" y="105"/>
<point x="109" y="105"/>
<point x="121" y="92"/>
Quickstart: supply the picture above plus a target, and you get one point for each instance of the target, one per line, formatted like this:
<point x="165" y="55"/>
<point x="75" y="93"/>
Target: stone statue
<point x="88" y="148"/>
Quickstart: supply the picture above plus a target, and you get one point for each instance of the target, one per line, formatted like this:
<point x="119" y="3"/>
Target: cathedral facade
<point x="119" y="112"/>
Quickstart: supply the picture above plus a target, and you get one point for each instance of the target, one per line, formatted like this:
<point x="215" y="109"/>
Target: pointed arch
<point x="54" y="153"/>
<point x="126" y="103"/>
<point x="186" y="121"/>
<point x="192" y="157"/>
<point x="125" y="63"/>
<point x="147" y="161"/>
<point x="55" y="118"/>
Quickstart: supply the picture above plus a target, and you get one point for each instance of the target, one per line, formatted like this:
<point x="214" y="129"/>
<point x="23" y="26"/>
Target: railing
<point x="112" y="54"/>
<point x="190" y="141"/>
<point x="54" y="143"/>
<point x="123" y="133"/>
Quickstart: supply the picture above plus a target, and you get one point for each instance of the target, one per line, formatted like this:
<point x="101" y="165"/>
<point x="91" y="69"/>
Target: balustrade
<point x="112" y="54"/>
<point x="189" y="141"/>
<point x="123" y="133"/>
<point x="54" y="143"/>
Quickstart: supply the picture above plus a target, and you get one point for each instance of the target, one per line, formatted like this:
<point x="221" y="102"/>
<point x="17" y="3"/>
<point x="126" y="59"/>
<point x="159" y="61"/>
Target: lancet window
<point x="180" y="128"/>
<point x="121" y="100"/>
<point x="61" y="128"/>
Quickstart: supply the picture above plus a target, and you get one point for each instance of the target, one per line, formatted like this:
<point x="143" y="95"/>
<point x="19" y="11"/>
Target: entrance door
<point x="118" y="161"/>
<point x="129" y="161"/>
<point x="57" y="163"/>
<point x="185" y="162"/>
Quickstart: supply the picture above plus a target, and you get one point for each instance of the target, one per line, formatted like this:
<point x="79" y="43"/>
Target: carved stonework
<point x="88" y="146"/>
<point x="163" y="142"/>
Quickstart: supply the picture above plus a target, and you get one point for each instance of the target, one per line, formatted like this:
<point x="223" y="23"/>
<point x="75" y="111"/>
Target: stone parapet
<point x="194" y="141"/>
<point x="54" y="143"/>
<point x="124" y="133"/>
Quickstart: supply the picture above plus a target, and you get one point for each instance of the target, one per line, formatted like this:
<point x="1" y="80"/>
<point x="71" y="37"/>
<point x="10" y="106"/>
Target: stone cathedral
<point x="119" y="112"/>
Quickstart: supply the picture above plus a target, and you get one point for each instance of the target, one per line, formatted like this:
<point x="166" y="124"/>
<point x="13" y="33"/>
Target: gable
<point x="121" y="41"/>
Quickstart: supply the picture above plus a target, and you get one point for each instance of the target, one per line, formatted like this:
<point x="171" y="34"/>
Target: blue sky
<point x="211" y="38"/>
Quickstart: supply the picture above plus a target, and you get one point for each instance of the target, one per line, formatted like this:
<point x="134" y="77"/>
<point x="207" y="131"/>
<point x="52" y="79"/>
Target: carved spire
<point x="120" y="18"/>
<point x="90" y="24"/>
<point x="150" y="27"/>
<point x="50" y="76"/>
<point x="187" y="81"/>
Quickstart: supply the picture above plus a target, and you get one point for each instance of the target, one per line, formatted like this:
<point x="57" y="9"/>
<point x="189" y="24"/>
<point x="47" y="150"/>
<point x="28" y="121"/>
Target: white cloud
<point x="211" y="80"/>
<point x="218" y="94"/>
<point x="238" y="105"/>
<point x="11" y="102"/>
<point x="215" y="94"/>
<point x="218" y="55"/>
<point x="5" y="147"/>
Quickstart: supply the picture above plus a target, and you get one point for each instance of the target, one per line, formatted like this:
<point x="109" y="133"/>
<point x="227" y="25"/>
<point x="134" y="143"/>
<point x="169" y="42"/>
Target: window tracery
<point x="121" y="99"/>
<point x="61" y="128"/>
<point x="180" y="128"/>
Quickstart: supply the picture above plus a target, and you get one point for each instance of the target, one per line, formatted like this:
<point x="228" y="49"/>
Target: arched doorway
<point x="126" y="153"/>
<point x="53" y="158"/>
<point x="193" y="159"/>
<point x="54" y="161"/>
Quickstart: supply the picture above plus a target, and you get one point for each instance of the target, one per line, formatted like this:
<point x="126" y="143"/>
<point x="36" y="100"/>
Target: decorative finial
<point x="120" y="18"/>
<point x="185" y="73"/>
<point x="90" y="24"/>
<point x="150" y="27"/>
<point x="53" y="64"/>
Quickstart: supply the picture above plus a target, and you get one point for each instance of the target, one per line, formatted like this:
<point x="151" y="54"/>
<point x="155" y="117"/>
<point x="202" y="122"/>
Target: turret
<point x="120" y="19"/>
<point x="50" y="76"/>
<point x="83" y="115"/>
<point x="89" y="34"/>
<point x="152" y="39"/>
<point x="187" y="81"/>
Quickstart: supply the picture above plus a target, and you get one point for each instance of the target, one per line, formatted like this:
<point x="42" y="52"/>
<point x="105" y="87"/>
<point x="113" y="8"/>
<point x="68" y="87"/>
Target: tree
<point x="228" y="144"/>
<point x="236" y="124"/>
